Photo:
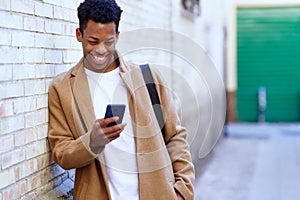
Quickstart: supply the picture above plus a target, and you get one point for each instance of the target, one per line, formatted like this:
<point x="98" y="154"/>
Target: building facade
<point x="38" y="42"/>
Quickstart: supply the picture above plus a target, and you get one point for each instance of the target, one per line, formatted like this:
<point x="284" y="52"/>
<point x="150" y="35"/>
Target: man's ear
<point x="78" y="35"/>
<point x="118" y="33"/>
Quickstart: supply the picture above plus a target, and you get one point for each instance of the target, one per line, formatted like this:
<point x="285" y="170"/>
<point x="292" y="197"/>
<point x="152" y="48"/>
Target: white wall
<point x="37" y="42"/>
<point x="198" y="63"/>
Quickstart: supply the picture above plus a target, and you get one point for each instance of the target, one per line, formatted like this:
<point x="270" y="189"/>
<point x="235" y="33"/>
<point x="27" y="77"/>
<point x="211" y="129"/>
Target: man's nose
<point x="101" y="49"/>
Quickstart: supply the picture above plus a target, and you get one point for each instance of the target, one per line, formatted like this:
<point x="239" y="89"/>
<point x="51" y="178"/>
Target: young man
<point x="130" y="160"/>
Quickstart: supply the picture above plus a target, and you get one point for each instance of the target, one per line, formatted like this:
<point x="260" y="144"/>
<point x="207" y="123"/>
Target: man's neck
<point x="112" y="66"/>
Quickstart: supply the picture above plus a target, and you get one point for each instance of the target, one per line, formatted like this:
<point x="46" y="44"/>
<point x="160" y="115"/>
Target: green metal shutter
<point x="268" y="54"/>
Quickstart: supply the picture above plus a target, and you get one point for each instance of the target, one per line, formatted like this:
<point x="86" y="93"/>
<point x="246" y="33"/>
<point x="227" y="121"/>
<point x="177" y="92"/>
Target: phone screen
<point x="115" y="110"/>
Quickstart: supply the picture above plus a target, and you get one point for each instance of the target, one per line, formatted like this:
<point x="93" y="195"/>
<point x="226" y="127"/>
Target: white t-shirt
<point x="120" y="154"/>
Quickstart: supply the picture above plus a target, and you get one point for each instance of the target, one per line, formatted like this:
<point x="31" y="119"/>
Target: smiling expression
<point x="99" y="46"/>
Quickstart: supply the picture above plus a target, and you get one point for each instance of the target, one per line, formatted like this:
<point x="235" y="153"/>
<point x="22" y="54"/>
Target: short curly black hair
<point x="103" y="11"/>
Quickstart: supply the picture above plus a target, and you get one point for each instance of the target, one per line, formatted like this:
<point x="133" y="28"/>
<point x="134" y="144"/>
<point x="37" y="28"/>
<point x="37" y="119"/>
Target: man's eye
<point x="108" y="43"/>
<point x="93" y="42"/>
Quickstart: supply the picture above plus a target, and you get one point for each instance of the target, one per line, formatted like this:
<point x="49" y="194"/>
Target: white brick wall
<point x="11" y="21"/>
<point x="24" y="6"/>
<point x="5" y="5"/>
<point x="7" y="143"/>
<point x="22" y="39"/>
<point x="37" y="42"/>
<point x="32" y="23"/>
<point x="12" y="158"/>
<point x="43" y="10"/>
<point x="7" y="177"/>
<point x="8" y="72"/>
<point x="6" y="38"/>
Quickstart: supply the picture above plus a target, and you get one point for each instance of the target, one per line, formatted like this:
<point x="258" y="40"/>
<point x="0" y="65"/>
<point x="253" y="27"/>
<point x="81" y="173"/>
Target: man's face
<point x="98" y="44"/>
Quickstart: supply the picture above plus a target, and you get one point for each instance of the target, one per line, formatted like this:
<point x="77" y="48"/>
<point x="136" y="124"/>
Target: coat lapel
<point x="82" y="96"/>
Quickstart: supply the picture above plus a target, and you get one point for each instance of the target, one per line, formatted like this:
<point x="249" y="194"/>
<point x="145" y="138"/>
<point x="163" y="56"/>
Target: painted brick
<point x="42" y="132"/>
<point x="25" y="169"/>
<point x="53" y="2"/>
<point x="58" y="12"/>
<point x="43" y="10"/>
<point x="7" y="177"/>
<point x="35" y="182"/>
<point x="11" y="124"/>
<point x="55" y="27"/>
<point x="62" y="68"/>
<point x="42" y="101"/>
<point x="44" y="161"/>
<point x="12" y="158"/>
<point x="74" y="44"/>
<point x="34" y="24"/>
<point x="22" y="39"/>
<point x="6" y="72"/>
<point x="48" y="81"/>
<point x="43" y="71"/>
<point x="31" y="195"/>
<point x="11" y="55"/>
<point x="23" y="71"/>
<point x="34" y="87"/>
<point x="69" y="29"/>
<point x="70" y="15"/>
<point x="22" y="6"/>
<point x="8" y="108"/>
<point x="5" y="5"/>
<point x="22" y="185"/>
<point x="44" y="40"/>
<point x="43" y="194"/>
<point x="40" y="179"/>
<point x="36" y="149"/>
<point x="71" y="56"/>
<point x="5" y="38"/>
<point x="62" y="42"/>
<point x="47" y="115"/>
<point x="7" y="143"/>
<point x="53" y="56"/>
<point x="11" y="20"/>
<point x="15" y="191"/>
<point x="13" y="89"/>
<point x="24" y="104"/>
<point x="25" y="136"/>
<point x="33" y="55"/>
<point x="36" y="118"/>
<point x="65" y="14"/>
<point x="72" y="4"/>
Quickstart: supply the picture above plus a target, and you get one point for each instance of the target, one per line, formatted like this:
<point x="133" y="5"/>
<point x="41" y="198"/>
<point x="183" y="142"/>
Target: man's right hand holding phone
<point x="102" y="134"/>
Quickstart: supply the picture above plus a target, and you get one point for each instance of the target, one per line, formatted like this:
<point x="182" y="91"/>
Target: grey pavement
<point x="254" y="162"/>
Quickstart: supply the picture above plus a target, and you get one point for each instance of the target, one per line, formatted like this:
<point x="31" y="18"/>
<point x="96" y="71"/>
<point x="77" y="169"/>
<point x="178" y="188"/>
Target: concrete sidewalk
<point x="255" y="162"/>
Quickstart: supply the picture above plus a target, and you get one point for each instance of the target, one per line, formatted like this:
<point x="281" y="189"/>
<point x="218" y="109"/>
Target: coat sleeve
<point x="68" y="150"/>
<point x="176" y="143"/>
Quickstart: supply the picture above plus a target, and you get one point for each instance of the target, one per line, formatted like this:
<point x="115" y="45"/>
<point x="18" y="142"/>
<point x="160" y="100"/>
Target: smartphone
<point x="115" y="110"/>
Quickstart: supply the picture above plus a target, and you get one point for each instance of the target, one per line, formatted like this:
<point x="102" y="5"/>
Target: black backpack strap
<point x="153" y="96"/>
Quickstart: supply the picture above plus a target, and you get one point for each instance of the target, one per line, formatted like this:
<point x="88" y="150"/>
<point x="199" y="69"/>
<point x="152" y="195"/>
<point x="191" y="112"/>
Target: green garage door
<point x="268" y="54"/>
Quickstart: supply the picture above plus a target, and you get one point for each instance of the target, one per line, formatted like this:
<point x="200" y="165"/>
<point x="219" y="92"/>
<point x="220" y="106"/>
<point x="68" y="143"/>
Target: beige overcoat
<point x="163" y="167"/>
